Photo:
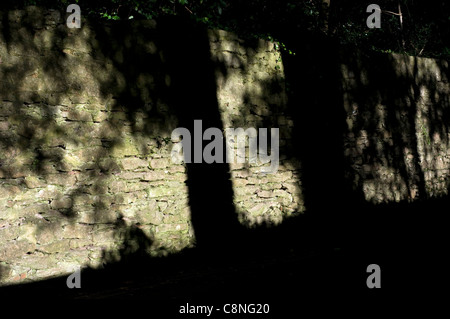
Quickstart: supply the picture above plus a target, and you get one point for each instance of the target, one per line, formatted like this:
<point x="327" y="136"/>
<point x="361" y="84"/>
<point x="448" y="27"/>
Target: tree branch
<point x="390" y="12"/>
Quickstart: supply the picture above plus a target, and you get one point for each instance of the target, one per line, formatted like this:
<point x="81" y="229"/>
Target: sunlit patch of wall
<point x="251" y="94"/>
<point x="397" y="140"/>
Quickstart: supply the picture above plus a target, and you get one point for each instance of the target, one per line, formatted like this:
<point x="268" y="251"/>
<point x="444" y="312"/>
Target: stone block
<point x="106" y="235"/>
<point x="79" y="243"/>
<point x="36" y="260"/>
<point x="162" y="191"/>
<point x="132" y="163"/>
<point x="117" y="186"/>
<point x="61" y="179"/>
<point x="154" y="175"/>
<point x="240" y="182"/>
<point x="240" y="173"/>
<point x="171" y="228"/>
<point x="180" y="177"/>
<point x="64" y="202"/>
<point x="293" y="188"/>
<point x="150" y="216"/>
<point x="48" y="232"/>
<point x="131" y="175"/>
<point x="73" y="114"/>
<point x="97" y="216"/>
<point x="160" y="163"/>
<point x="34" y="182"/>
<point x="61" y="245"/>
<point x="124" y="148"/>
<point x="258" y="209"/>
<point x="247" y="190"/>
<point x="15" y="248"/>
<point x="265" y="194"/>
<point x="9" y="233"/>
<point x="77" y="231"/>
<point x="279" y="176"/>
<point x="270" y="186"/>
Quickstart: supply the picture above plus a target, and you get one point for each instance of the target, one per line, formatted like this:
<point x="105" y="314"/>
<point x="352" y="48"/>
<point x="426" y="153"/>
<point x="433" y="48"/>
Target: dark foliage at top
<point x="422" y="29"/>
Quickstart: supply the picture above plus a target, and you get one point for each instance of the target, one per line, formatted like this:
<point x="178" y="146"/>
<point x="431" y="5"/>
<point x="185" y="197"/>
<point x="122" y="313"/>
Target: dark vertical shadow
<point x="315" y="104"/>
<point x="192" y="96"/>
<point x="395" y="235"/>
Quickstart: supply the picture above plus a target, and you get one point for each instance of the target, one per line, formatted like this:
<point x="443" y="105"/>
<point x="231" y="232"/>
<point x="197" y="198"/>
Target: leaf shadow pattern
<point x="73" y="172"/>
<point x="209" y="186"/>
<point x="137" y="95"/>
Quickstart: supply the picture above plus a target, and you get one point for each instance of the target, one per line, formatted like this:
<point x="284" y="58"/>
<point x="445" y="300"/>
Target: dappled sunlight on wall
<point x="87" y="176"/>
<point x="397" y="140"/>
<point x="251" y="94"/>
<point x="85" y="170"/>
<point x="86" y="116"/>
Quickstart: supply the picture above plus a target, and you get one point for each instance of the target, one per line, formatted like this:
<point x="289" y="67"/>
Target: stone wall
<point x="397" y="138"/>
<point x="86" y="117"/>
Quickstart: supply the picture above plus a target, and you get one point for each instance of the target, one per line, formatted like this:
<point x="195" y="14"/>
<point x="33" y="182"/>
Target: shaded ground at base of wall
<point x="306" y="258"/>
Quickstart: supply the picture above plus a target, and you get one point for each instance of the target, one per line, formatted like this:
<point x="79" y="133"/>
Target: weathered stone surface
<point x="34" y="182"/>
<point x="47" y="233"/>
<point x="133" y="163"/>
<point x="62" y="203"/>
<point x="15" y="248"/>
<point x="171" y="228"/>
<point x="56" y="246"/>
<point x="150" y="216"/>
<point x="104" y="235"/>
<point x="77" y="231"/>
<point x="155" y="192"/>
<point x="160" y="163"/>
<point x="9" y="233"/>
<point x="97" y="216"/>
<point x="61" y="179"/>
<point x="117" y="186"/>
<point x="85" y="157"/>
<point x="258" y="209"/>
<point x="156" y="175"/>
<point x="239" y="182"/>
<point x="79" y="243"/>
<point x="265" y="194"/>
<point x="37" y="260"/>
<point x="293" y="188"/>
<point x="124" y="148"/>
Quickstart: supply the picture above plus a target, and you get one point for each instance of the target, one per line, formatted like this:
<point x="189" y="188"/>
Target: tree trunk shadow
<point x="192" y="92"/>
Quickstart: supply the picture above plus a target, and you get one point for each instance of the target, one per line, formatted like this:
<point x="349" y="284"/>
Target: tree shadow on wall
<point x="192" y="96"/>
<point x="315" y="106"/>
<point x="177" y="69"/>
<point x="356" y="115"/>
<point x="163" y="78"/>
<point x="172" y="79"/>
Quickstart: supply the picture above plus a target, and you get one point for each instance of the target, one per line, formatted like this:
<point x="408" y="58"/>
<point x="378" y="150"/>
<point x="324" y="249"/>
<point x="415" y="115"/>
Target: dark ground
<point x="285" y="267"/>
